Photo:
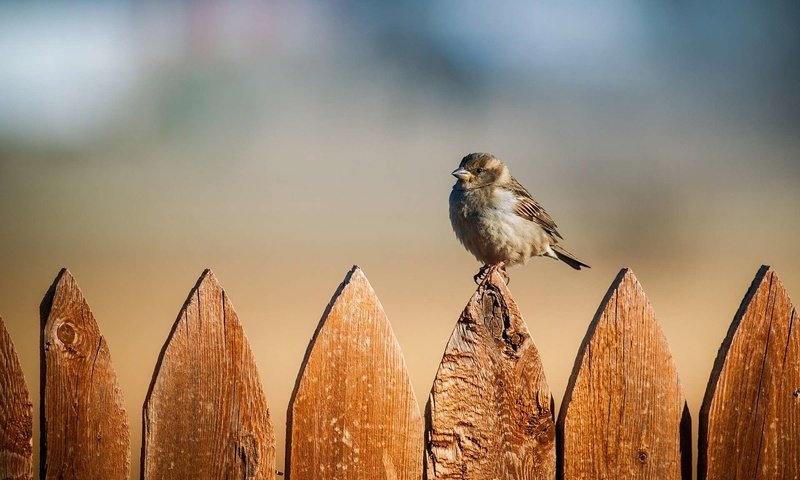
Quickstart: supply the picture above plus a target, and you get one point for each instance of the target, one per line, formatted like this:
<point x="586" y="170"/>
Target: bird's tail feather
<point x="567" y="257"/>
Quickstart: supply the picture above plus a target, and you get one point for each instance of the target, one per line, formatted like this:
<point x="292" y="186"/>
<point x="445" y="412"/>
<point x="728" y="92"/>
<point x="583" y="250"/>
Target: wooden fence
<point x="353" y="414"/>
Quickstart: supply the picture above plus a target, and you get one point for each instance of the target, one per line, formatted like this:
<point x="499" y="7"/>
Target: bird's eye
<point x="478" y="171"/>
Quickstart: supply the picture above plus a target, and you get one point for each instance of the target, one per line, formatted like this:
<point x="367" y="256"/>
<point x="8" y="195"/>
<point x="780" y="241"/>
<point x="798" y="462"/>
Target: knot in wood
<point x="643" y="456"/>
<point x="497" y="319"/>
<point x="540" y="426"/>
<point x="18" y="433"/>
<point x="796" y="393"/>
<point x="246" y="449"/>
<point x="66" y="333"/>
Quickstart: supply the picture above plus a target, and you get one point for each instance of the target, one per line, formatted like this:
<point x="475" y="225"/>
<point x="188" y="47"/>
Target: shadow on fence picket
<point x="353" y="414"/>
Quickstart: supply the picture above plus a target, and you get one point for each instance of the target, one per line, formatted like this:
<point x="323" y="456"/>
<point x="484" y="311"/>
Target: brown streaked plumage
<point x="498" y="220"/>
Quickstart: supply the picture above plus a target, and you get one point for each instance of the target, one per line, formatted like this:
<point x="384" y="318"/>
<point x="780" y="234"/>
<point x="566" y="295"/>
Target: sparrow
<point x="498" y="221"/>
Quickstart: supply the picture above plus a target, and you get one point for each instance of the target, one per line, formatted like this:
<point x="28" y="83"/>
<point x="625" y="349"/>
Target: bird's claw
<point x="487" y="270"/>
<point x="505" y="275"/>
<point x="481" y="275"/>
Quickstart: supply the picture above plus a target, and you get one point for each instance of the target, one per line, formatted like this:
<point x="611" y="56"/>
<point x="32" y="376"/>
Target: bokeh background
<point x="279" y="142"/>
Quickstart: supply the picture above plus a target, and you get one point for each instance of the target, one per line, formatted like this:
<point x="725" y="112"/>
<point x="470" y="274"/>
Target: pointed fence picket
<point x="353" y="414"/>
<point x="85" y="432"/>
<point x="16" y="414"/>
<point x="624" y="414"/>
<point x="490" y="412"/>
<point x="750" y="417"/>
<point x="206" y="414"/>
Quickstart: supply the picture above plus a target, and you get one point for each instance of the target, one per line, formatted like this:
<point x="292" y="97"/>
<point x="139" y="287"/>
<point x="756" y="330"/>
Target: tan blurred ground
<point x="136" y="235"/>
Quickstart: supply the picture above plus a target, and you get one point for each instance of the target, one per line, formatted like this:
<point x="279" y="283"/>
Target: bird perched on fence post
<point x="498" y="221"/>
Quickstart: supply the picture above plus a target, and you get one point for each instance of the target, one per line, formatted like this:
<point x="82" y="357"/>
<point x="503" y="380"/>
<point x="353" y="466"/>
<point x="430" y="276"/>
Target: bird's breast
<point x="486" y="223"/>
<point x="472" y="202"/>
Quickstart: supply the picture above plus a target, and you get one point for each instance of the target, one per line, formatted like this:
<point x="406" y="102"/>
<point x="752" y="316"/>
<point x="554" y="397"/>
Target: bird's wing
<point x="530" y="209"/>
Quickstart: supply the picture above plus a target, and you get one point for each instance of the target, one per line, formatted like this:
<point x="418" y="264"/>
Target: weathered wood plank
<point x="490" y="412"/>
<point x="206" y="414"/>
<point x="624" y="413"/>
<point x="353" y="414"/>
<point x="750" y="418"/>
<point x="85" y="432"/>
<point x="16" y="414"/>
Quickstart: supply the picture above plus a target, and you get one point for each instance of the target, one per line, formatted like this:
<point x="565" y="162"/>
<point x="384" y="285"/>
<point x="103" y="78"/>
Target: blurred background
<point x="280" y="142"/>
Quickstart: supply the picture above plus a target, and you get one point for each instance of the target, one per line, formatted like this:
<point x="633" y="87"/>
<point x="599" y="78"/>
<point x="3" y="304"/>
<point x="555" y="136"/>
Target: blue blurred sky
<point x="72" y="72"/>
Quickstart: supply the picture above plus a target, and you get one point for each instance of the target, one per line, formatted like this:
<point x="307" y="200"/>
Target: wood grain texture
<point x="16" y="414"/>
<point x="490" y="412"/>
<point x="206" y="414"/>
<point x="750" y="418"/>
<point x="85" y="432"/>
<point x="353" y="414"/>
<point x="624" y="415"/>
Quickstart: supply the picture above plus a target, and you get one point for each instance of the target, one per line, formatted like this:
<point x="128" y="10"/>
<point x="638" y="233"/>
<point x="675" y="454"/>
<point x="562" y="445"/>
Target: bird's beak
<point x="461" y="173"/>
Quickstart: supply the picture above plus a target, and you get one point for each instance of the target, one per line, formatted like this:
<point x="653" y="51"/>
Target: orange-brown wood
<point x="16" y="414"/>
<point x="206" y="414"/>
<point x="85" y="432"/>
<point x="624" y="415"/>
<point x="490" y="412"/>
<point x="353" y="414"/>
<point x="750" y="418"/>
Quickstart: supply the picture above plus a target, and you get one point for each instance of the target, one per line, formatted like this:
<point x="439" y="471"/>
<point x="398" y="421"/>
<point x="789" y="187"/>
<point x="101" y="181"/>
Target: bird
<point x="498" y="220"/>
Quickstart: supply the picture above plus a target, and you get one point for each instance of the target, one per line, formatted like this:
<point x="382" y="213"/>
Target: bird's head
<point x="478" y="170"/>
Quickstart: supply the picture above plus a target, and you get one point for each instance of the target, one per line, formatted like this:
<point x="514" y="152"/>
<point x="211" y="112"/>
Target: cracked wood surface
<point x="206" y="414"/>
<point x="624" y="413"/>
<point x="16" y="414"/>
<point x="490" y="413"/>
<point x="750" y="418"/>
<point x="85" y="432"/>
<point x="353" y="414"/>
